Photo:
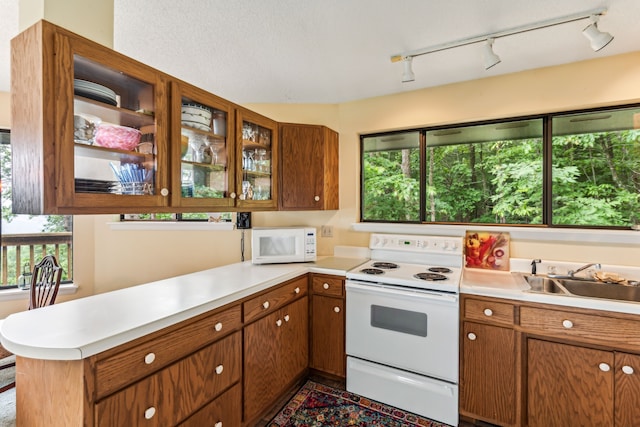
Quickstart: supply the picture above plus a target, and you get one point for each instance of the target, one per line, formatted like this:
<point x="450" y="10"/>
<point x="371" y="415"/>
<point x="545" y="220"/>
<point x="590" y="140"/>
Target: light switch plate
<point x="326" y="231"/>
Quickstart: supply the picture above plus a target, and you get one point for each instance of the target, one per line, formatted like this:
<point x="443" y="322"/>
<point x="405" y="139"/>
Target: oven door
<point x="412" y="330"/>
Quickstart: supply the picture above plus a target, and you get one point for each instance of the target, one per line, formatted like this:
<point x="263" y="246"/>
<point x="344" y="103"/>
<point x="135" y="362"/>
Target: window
<point x="178" y="217"/>
<point x="28" y="238"/>
<point x="574" y="169"/>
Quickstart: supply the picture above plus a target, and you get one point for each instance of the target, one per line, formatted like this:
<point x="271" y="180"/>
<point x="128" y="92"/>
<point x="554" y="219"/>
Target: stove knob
<point x="375" y="242"/>
<point x="445" y="245"/>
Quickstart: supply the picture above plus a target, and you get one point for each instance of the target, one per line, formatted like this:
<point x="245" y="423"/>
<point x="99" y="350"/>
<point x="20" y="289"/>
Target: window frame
<point x="547" y="170"/>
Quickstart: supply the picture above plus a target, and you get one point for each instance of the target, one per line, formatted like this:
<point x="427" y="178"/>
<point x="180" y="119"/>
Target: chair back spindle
<point x="45" y="282"/>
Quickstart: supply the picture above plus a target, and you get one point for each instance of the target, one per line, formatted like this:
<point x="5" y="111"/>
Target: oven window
<point x="397" y="320"/>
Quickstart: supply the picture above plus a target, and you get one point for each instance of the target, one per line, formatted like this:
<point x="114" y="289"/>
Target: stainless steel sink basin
<point x="593" y="289"/>
<point x="544" y="284"/>
<point x="580" y="288"/>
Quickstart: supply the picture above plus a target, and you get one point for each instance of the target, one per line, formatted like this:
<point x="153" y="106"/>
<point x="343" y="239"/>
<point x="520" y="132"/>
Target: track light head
<point x="490" y="58"/>
<point x="407" y="74"/>
<point x="597" y="38"/>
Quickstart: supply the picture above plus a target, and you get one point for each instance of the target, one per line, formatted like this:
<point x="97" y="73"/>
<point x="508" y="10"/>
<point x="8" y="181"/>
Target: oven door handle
<point x="382" y="290"/>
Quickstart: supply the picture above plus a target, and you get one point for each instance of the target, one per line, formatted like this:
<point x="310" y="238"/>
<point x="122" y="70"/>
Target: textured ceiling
<point x="331" y="51"/>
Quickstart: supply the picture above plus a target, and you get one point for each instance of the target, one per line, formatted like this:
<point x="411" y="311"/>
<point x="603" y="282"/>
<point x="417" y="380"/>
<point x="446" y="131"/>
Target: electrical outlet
<point x="326" y="231"/>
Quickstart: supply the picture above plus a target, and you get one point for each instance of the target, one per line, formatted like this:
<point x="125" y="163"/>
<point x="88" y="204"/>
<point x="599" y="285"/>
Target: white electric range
<point x="402" y="324"/>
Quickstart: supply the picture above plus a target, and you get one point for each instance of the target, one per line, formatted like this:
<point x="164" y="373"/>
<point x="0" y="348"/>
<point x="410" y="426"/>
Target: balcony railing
<point x="20" y="253"/>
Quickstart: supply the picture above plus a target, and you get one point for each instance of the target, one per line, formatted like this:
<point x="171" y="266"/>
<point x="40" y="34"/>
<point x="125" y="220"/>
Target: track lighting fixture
<point x="490" y="57"/>
<point x="407" y="74"/>
<point x="597" y="38"/>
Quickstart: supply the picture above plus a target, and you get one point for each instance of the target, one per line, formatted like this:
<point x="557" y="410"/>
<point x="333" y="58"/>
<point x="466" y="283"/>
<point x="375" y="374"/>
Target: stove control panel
<point x="416" y="243"/>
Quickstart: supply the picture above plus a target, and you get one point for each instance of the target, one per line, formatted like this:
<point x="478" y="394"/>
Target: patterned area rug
<point x="318" y="405"/>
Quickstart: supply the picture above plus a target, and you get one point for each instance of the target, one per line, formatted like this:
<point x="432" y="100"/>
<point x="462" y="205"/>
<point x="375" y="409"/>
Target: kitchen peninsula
<point x="92" y="356"/>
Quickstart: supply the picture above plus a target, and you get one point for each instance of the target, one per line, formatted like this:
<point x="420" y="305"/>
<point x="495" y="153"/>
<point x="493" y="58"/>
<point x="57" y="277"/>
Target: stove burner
<point x="430" y="276"/>
<point x="440" y="270"/>
<point x="371" y="271"/>
<point x="385" y="265"/>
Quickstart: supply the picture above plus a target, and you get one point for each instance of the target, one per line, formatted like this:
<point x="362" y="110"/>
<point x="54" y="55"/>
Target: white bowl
<point x="196" y="113"/>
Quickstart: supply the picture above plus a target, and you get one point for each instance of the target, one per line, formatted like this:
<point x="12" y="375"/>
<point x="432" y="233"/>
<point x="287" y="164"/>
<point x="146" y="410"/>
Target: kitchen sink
<point x="581" y="287"/>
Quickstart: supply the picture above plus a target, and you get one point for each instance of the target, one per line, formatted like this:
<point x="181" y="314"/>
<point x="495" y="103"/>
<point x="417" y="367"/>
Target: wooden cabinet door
<point x="327" y="335"/>
<point x="627" y="377"/>
<point x="294" y="336"/>
<point x="309" y="167"/>
<point x="261" y="364"/>
<point x="488" y="373"/>
<point x="569" y="385"/>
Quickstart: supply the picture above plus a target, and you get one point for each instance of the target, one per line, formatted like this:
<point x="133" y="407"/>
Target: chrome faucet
<point x="572" y="273"/>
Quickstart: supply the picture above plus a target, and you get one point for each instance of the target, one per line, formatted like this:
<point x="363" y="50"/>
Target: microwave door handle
<point x="350" y="285"/>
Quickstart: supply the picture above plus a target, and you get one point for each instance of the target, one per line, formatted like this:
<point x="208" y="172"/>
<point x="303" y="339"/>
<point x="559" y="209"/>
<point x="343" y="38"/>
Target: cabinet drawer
<point x="224" y="411"/>
<point x="173" y="394"/>
<point x="275" y="299"/>
<point x="592" y="328"/>
<point x="327" y="285"/>
<point x="489" y="311"/>
<point x="130" y="365"/>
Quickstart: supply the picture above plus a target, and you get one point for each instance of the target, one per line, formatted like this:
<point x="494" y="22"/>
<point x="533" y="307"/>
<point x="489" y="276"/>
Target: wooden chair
<point x="45" y="282"/>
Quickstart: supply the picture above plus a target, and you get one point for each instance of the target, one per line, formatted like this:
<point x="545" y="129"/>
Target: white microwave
<point x="270" y="245"/>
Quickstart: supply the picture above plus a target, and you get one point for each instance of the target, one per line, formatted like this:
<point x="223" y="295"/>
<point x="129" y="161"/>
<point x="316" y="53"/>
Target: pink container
<point x="114" y="136"/>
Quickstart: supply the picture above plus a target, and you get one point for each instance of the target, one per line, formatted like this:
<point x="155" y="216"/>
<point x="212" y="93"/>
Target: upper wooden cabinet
<point x="204" y="171"/>
<point x="257" y="164"/>
<point x="309" y="169"/>
<point x="80" y="112"/>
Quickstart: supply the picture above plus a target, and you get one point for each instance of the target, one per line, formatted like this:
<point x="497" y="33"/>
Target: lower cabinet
<point x="488" y="376"/>
<point x="174" y="393"/>
<point x="276" y="354"/>
<point x="224" y="411"/>
<point x="328" y="354"/>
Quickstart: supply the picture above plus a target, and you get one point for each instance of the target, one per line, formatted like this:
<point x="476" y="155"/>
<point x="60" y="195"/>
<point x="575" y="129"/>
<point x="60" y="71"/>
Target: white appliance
<point x="402" y="320"/>
<point x="270" y="245"/>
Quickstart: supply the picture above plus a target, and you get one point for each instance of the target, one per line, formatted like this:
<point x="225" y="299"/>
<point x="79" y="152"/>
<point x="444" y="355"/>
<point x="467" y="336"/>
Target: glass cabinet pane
<point x="114" y="131"/>
<point x="256" y="162"/>
<point x="203" y="151"/>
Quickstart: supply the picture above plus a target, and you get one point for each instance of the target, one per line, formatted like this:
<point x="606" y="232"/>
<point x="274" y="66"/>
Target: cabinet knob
<point x="164" y="192"/>
<point x="627" y="369"/>
<point x="218" y="327"/>
<point x="604" y="367"/>
<point x="488" y="312"/>
<point x="286" y="317"/>
<point x="336" y="309"/>
<point x="325" y="286"/>
<point x="265" y="305"/>
<point x="149" y="358"/>
<point x="568" y="324"/>
<point x="296" y="291"/>
<point x="218" y="424"/>
<point x="149" y="412"/>
<point x="232" y="195"/>
<point x="278" y="323"/>
<point x="219" y="369"/>
<point x="316" y="198"/>
<point x="471" y="336"/>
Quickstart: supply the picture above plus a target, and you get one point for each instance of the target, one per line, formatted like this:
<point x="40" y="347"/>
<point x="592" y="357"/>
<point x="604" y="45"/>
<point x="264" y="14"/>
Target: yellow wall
<point x="5" y="110"/>
<point x="107" y="259"/>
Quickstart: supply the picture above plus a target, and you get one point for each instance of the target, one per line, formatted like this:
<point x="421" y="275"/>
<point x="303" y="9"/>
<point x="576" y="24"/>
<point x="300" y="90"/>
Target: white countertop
<point x="83" y="327"/>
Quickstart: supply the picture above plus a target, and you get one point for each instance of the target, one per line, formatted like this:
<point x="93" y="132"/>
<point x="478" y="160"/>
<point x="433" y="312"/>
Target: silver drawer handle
<point x="472" y="336"/>
<point x="336" y="309"/>
<point x="296" y="291"/>
<point x="488" y="312"/>
<point x="149" y="412"/>
<point x="627" y="369"/>
<point x="149" y="358"/>
<point x="219" y="369"/>
<point x="604" y="367"/>
<point x="326" y="286"/>
<point x="265" y="305"/>
<point x="218" y="326"/>
<point x="568" y="324"/>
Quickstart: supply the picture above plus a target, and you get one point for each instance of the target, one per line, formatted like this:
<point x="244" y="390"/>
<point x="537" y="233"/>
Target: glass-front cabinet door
<point x="112" y="116"/>
<point x="202" y="149"/>
<point x="258" y="162"/>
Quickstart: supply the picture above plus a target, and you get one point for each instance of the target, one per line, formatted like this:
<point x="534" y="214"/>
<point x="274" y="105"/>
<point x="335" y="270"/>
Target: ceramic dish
<point x="94" y="91"/>
<point x="114" y="136"/>
<point x="196" y="113"/>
